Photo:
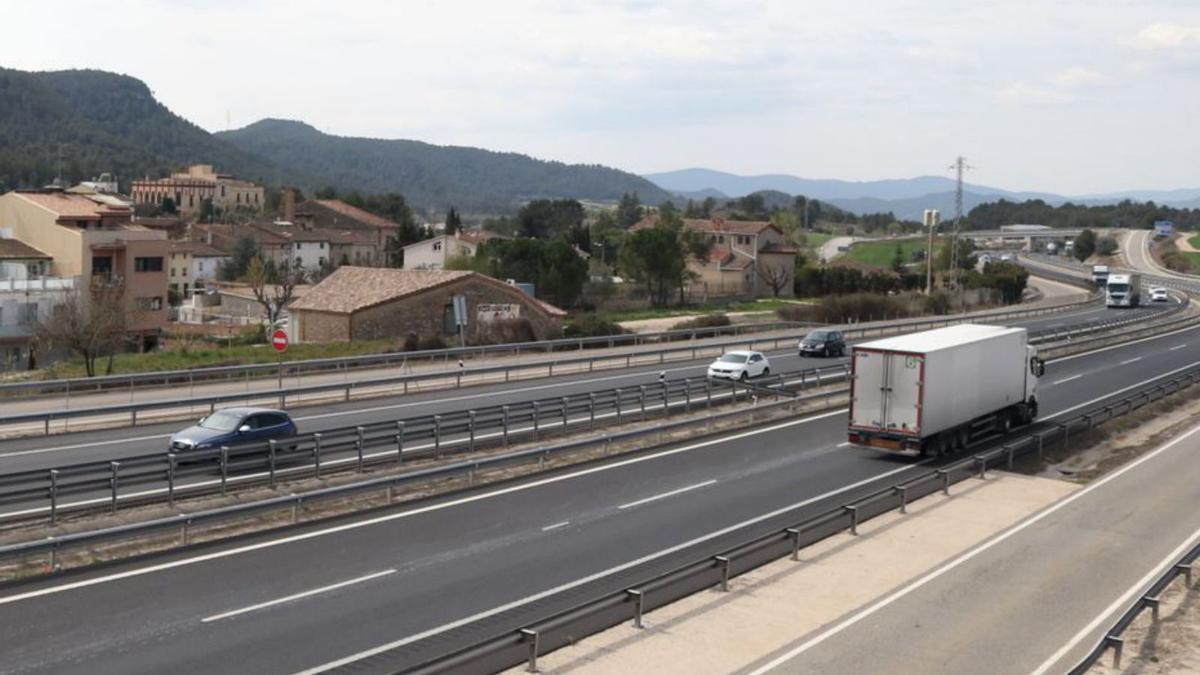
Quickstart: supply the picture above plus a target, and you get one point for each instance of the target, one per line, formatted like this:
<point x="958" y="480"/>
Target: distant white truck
<point x="934" y="392"/>
<point x="1100" y="275"/>
<point x="1123" y="290"/>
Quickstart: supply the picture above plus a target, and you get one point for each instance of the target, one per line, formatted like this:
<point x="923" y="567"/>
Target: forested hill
<point x="99" y="121"/>
<point x="434" y="177"/>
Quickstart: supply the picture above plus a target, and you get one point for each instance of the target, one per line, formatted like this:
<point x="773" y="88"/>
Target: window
<point x="172" y="271"/>
<point x="183" y="272"/>
<point x="150" y="304"/>
<point x="29" y="313"/>
<point x="147" y="264"/>
<point x="102" y="266"/>
<point x="437" y="245"/>
<point x="222" y="190"/>
<point x="321" y="245"/>
<point x="200" y="266"/>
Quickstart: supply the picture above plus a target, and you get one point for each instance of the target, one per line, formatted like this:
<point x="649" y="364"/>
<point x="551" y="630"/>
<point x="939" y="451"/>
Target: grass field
<point x="880" y="253"/>
<point x="1194" y="240"/>
<point x="765" y="305"/>
<point x="814" y="240"/>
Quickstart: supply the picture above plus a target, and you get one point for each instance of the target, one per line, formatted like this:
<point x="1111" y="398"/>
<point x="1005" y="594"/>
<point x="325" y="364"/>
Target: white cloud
<point x="1079" y="76"/>
<point x="1164" y="36"/>
<point x="1022" y="94"/>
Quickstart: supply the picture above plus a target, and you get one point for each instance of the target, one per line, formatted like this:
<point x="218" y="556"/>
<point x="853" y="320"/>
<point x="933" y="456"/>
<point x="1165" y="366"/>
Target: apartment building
<point x="90" y="237"/>
<point x="189" y="189"/>
<point x="432" y="254"/>
<point x="27" y="295"/>
<point x="193" y="266"/>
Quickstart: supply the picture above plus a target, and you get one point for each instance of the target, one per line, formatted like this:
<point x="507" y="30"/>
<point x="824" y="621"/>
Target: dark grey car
<point x="233" y="426"/>
<point x="824" y="342"/>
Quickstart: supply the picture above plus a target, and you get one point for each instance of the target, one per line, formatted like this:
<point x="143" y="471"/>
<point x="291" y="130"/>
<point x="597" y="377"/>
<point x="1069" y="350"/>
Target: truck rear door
<point x="902" y="411"/>
<point x="886" y="391"/>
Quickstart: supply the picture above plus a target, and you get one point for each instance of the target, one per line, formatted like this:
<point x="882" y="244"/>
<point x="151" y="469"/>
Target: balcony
<point x="39" y="284"/>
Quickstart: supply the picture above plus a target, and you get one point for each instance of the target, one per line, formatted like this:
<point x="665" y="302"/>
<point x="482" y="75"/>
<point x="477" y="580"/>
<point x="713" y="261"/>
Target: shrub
<point x="706" y="321"/>
<point x="937" y="303"/>
<point x="592" y="325"/>
<point x="1106" y="246"/>
<point x="431" y="342"/>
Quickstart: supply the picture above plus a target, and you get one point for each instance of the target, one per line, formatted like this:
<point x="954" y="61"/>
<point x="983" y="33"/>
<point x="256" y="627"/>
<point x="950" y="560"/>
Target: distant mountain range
<point x="86" y="122"/>
<point x="432" y="176"/>
<point x="906" y="197"/>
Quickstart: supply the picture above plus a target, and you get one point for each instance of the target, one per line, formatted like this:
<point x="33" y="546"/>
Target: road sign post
<point x="279" y="340"/>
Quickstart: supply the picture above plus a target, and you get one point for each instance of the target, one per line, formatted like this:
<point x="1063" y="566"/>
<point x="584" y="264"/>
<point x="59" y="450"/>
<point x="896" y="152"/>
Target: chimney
<point x="289" y="204"/>
<point x="208" y="236"/>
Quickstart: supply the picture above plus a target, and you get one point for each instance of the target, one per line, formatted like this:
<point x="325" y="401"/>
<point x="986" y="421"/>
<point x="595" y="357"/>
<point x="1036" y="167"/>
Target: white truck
<point x="1123" y="290"/>
<point x="1100" y="275"/>
<point x="934" y="392"/>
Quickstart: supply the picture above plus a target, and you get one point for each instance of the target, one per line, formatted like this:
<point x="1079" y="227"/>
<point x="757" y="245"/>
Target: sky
<point x="1061" y="96"/>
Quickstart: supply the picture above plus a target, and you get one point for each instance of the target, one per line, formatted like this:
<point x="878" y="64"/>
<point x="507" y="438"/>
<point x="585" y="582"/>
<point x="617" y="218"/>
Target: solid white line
<point x="556" y="526"/>
<point x="345" y="527"/>
<point x="1068" y="379"/>
<point x="843" y="444"/>
<point x="664" y="495"/>
<point x="598" y="575"/>
<point x="1139" y="587"/>
<point x="1003" y="536"/>
<point x="1177" y="347"/>
<point x="1129" y="361"/>
<point x="297" y="596"/>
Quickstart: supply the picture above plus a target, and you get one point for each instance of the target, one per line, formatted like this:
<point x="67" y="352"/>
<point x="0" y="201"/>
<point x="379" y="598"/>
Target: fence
<point x="715" y="568"/>
<point x="402" y="384"/>
<point x="168" y="474"/>
<point x="1149" y="600"/>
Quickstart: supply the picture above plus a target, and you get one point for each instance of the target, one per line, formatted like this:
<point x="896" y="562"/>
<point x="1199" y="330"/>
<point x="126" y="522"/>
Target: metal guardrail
<point x="1149" y="600"/>
<point x="447" y="356"/>
<point x="400" y="384"/>
<point x="468" y="468"/>
<point x="169" y="474"/>
<point x="715" y="568"/>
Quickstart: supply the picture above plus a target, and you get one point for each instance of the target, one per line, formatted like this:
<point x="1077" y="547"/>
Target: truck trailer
<point x="935" y="392"/>
<point x="1123" y="290"/>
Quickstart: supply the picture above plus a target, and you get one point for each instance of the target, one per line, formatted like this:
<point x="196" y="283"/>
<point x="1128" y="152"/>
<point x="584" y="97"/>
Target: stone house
<point x="750" y="258"/>
<point x="363" y="303"/>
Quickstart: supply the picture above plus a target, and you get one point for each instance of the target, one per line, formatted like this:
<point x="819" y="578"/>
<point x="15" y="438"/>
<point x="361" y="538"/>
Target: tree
<point x="244" y="250"/>
<point x="453" y="221"/>
<point x="898" y="259"/>
<point x="606" y="237"/>
<point x="966" y="254"/>
<point x="657" y="257"/>
<point x="629" y="210"/>
<point x="274" y="291"/>
<point x="169" y="206"/>
<point x="542" y="218"/>
<point x="207" y="211"/>
<point x="1106" y="246"/>
<point x="91" y="327"/>
<point x="1085" y="245"/>
<point x="776" y="277"/>
<point x="562" y="272"/>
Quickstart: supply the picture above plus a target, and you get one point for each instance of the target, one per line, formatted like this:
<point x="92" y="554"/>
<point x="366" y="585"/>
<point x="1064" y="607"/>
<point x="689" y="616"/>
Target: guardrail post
<point x="591" y="411"/>
<point x="708" y="392"/>
<point x="471" y="430"/>
<point x="607" y="443"/>
<point x="317" y="454"/>
<point x="723" y="561"/>
<point x="1186" y="570"/>
<point x="1118" y="646"/>
<point x="642" y="400"/>
<point x="437" y="436"/>
<point x="537" y="414"/>
<point x="853" y="511"/>
<point x="666" y="394"/>
<point x="638" y="599"/>
<point x="1010" y="449"/>
<point x="358" y="446"/>
<point x="565" y="412"/>
<point x="687" y="397"/>
<point x="133" y="417"/>
<point x="531" y="636"/>
<point x="504" y="420"/>
<point x="224" y="467"/>
<point x="794" y="534"/>
<point x="945" y="476"/>
<point x="982" y="463"/>
<point x="53" y="496"/>
<point x="903" y="492"/>
<point x="619" y="404"/>
<point x="272" y="448"/>
<point x="114" y="482"/>
<point x="171" y="464"/>
<point x="1153" y="603"/>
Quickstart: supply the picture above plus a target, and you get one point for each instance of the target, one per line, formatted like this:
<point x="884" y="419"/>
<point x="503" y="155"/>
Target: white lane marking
<point x="1177" y="347"/>
<point x="345" y="527"/>
<point x="997" y="539"/>
<point x="38" y="451"/>
<point x="664" y="495"/>
<point x="1139" y="587"/>
<point x="843" y="444"/>
<point x="1068" y="379"/>
<point x="297" y="596"/>
<point x="1129" y="361"/>
<point x="556" y="526"/>
<point x="598" y="575"/>
<point x="1122" y="390"/>
<point x="1122" y="345"/>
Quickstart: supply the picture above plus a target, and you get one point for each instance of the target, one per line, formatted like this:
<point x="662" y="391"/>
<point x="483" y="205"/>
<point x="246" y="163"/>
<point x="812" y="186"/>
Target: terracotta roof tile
<point x="355" y="213"/>
<point x="15" y="249"/>
<point x="67" y="205"/>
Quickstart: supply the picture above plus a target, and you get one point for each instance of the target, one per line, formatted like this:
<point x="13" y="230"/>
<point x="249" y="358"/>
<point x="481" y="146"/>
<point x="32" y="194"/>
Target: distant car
<point x="232" y="426"/>
<point x="823" y="343"/>
<point x="1159" y="294"/>
<point x="740" y="365"/>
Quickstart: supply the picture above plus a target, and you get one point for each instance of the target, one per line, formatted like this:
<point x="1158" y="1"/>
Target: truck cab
<point x="1100" y="275"/>
<point x="1123" y="290"/>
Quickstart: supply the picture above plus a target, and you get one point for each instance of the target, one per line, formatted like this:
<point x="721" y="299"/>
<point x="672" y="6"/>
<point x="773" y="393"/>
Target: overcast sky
<point x="1064" y="96"/>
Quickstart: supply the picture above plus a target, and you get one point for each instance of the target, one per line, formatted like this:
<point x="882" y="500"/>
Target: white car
<point x="1159" y="294"/>
<point x="740" y="365"/>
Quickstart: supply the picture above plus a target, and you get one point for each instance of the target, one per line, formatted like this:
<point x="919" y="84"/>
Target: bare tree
<point x="274" y="291"/>
<point x="90" y="327"/>
<point x="777" y="277"/>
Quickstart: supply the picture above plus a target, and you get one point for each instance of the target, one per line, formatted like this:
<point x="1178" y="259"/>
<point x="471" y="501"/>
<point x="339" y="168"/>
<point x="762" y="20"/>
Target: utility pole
<point x="931" y="220"/>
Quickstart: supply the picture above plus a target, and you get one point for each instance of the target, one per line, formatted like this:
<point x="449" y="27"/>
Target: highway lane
<point x="39" y="452"/>
<point x="466" y="556"/>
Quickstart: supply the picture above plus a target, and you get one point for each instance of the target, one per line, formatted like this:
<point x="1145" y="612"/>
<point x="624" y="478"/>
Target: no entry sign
<point x="279" y="340"/>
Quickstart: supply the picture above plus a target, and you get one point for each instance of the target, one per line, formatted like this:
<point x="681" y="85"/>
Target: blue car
<point x="234" y="426"/>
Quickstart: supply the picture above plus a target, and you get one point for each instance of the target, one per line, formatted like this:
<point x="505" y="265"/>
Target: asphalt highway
<point x="37" y="452"/>
<point x="394" y="587"/>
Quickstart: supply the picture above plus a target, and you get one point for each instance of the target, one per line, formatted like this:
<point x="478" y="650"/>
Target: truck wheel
<point x="961" y="439"/>
<point x="1006" y="421"/>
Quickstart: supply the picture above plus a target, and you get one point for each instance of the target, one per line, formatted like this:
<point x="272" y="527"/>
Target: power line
<point x="960" y="165"/>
